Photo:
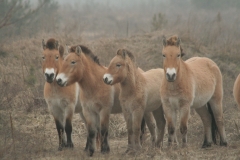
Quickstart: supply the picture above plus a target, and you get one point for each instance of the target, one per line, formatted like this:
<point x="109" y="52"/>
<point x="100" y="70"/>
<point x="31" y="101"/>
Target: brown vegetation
<point x="27" y="130"/>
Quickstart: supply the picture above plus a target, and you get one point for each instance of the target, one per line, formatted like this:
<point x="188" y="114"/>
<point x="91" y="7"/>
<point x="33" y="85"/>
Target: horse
<point x="139" y="94"/>
<point x="196" y="83"/>
<point x="62" y="102"/>
<point x="236" y="90"/>
<point x="97" y="99"/>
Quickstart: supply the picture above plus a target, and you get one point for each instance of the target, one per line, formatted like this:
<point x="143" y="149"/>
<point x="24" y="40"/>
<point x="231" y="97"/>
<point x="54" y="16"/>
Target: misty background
<point x="93" y="19"/>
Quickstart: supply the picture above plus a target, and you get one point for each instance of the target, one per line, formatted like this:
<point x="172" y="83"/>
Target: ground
<point x="27" y="130"/>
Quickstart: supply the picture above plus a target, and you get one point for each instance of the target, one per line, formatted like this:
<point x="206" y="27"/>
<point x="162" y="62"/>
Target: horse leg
<point x="207" y="121"/>
<point x="104" y="122"/>
<point x="184" y="116"/>
<point x="161" y="122"/>
<point x="216" y="107"/>
<point x="171" y="118"/>
<point x="149" y="119"/>
<point x="137" y="117"/>
<point x="68" y="130"/>
<point x="128" y="120"/>
<point x="92" y="131"/>
<point x="61" y="135"/>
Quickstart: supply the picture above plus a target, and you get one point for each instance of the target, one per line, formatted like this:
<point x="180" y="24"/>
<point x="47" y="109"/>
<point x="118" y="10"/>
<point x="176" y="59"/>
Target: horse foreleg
<point x="206" y="119"/>
<point x="92" y="131"/>
<point x="161" y="122"/>
<point x="184" y="116"/>
<point x="68" y="130"/>
<point x="149" y="119"/>
<point x="171" y="118"/>
<point x="137" y="116"/>
<point x="104" y="122"/>
<point x="128" y="120"/>
<point x="60" y="130"/>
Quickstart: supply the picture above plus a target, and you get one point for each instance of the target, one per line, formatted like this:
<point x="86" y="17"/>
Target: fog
<point x="93" y="19"/>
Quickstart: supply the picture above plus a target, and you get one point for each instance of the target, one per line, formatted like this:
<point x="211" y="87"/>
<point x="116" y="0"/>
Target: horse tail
<point x="214" y="125"/>
<point x="143" y="124"/>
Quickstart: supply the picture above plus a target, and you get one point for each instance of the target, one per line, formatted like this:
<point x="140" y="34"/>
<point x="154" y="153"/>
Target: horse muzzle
<point x="107" y="78"/>
<point x="171" y="77"/>
<point x="49" y="77"/>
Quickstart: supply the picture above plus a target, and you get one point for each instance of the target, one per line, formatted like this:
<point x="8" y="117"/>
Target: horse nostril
<point x="51" y="75"/>
<point x="173" y="76"/>
<point x="59" y="81"/>
<point x="106" y="79"/>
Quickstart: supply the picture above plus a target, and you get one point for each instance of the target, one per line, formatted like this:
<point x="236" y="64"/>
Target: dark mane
<point x="87" y="52"/>
<point x="171" y="41"/>
<point x="52" y="44"/>
<point x="130" y="55"/>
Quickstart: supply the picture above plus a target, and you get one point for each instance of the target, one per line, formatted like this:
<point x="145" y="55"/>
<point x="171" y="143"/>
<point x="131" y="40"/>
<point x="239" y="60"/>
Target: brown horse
<point x="195" y="83"/>
<point x="139" y="93"/>
<point x="62" y="102"/>
<point x="98" y="100"/>
<point x="236" y="90"/>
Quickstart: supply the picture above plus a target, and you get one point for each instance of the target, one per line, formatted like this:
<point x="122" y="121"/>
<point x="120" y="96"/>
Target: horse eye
<point x="57" y="58"/>
<point x="43" y="57"/>
<point x="178" y="55"/>
<point x="164" y="55"/>
<point x="73" y="62"/>
<point x="118" y="65"/>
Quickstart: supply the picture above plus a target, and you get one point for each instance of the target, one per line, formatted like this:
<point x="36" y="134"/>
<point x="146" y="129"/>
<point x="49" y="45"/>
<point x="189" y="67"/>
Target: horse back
<point x="236" y="90"/>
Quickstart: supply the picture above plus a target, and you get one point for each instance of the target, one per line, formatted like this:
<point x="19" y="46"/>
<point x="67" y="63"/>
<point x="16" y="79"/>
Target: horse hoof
<point x="105" y="150"/>
<point x="70" y="145"/>
<point x="206" y="145"/>
<point x="90" y="152"/>
<point x="223" y="144"/>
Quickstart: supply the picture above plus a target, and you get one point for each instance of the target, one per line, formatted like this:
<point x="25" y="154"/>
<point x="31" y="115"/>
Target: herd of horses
<point x="78" y="83"/>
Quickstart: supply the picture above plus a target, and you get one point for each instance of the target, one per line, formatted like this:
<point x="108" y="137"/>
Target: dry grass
<point x="28" y="131"/>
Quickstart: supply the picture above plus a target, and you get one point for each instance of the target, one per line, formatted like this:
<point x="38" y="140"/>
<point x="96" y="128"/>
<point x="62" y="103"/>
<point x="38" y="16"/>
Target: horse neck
<point x="92" y="76"/>
<point x="131" y="83"/>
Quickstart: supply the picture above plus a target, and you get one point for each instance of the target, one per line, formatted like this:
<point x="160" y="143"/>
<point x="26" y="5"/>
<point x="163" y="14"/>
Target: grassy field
<point x="27" y="130"/>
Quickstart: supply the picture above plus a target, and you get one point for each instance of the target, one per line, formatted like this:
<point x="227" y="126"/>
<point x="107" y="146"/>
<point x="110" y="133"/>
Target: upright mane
<point x="87" y="52"/>
<point x="172" y="41"/>
<point x="52" y="44"/>
<point x="124" y="52"/>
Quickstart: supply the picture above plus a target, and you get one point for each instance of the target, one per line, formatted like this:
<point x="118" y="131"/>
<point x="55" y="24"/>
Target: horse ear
<point x="124" y="53"/>
<point x="78" y="50"/>
<point x="182" y="53"/>
<point x="56" y="44"/>
<point x="67" y="48"/>
<point x="164" y="41"/>
<point x="61" y="50"/>
<point x="121" y="52"/>
<point x="178" y="42"/>
<point x="43" y="44"/>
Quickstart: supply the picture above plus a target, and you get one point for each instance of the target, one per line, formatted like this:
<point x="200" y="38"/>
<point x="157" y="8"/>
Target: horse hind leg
<point x="215" y="109"/>
<point x="149" y="119"/>
<point x="161" y="123"/>
<point x="207" y="121"/>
